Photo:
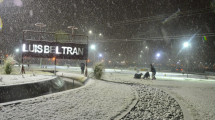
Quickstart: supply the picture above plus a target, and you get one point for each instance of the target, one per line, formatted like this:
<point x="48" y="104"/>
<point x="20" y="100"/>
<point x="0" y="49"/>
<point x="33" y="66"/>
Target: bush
<point x="98" y="70"/>
<point x="130" y="68"/>
<point x="8" y="68"/>
<point x="8" y="64"/>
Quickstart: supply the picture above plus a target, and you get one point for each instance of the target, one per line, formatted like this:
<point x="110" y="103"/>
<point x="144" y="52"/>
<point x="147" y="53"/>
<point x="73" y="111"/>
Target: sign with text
<point x="45" y="49"/>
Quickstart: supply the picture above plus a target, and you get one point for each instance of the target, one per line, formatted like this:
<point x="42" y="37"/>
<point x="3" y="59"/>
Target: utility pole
<point x="40" y="25"/>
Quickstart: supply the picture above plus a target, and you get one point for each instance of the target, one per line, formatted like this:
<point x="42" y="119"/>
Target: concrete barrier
<point x="34" y="89"/>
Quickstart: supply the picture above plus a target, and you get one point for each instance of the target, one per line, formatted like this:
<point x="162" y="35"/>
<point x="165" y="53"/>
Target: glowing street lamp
<point x="17" y="50"/>
<point x="147" y="53"/>
<point x="186" y="45"/>
<point x="158" y="55"/>
<point x="93" y="47"/>
<point x="90" y="32"/>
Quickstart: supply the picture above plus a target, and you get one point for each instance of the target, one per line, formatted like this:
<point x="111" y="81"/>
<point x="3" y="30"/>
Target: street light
<point x="17" y="50"/>
<point x="186" y="45"/>
<point x="147" y="53"/>
<point x="95" y="35"/>
<point x="100" y="55"/>
<point x="158" y="55"/>
<point x="90" y="32"/>
<point x="93" y="47"/>
<point x="72" y="27"/>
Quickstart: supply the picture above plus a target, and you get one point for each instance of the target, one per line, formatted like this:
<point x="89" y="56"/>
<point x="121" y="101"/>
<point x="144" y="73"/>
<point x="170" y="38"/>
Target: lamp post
<point x="40" y="25"/>
<point x="17" y="51"/>
<point x="147" y="54"/>
<point x="186" y="45"/>
<point x="158" y="55"/>
<point x="72" y="27"/>
<point x="93" y="47"/>
<point x="90" y="32"/>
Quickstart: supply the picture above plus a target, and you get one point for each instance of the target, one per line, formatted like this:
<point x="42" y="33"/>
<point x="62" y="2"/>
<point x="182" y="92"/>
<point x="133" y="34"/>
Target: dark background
<point x="127" y="27"/>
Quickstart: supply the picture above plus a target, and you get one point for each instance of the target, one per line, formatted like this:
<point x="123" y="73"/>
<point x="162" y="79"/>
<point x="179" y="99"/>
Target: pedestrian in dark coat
<point x="82" y="68"/>
<point x="138" y="76"/>
<point x="153" y="72"/>
<point x="146" y="76"/>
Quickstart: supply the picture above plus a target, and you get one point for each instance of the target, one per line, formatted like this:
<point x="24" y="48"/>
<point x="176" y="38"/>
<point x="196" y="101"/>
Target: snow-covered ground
<point x="106" y="100"/>
<point x="196" y="96"/>
<point x="100" y="100"/>
<point x="6" y="80"/>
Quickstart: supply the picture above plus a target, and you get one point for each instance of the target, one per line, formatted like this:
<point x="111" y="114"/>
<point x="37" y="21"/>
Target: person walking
<point x="82" y="68"/>
<point x="153" y="72"/>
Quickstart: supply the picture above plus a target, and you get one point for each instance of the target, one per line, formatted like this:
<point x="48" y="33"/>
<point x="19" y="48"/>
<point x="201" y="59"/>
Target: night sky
<point x="127" y="26"/>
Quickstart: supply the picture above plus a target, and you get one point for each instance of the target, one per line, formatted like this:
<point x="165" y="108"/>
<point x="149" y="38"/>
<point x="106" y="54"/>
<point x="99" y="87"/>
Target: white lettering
<point x="57" y="52"/>
<point x="64" y="49"/>
<point x="52" y="49"/>
<point x="30" y="48"/>
<point x="75" y="51"/>
<point x="39" y="49"/>
<point x="81" y="51"/>
<point x="23" y="48"/>
<point x="46" y="49"/>
<point x="69" y="49"/>
<point x="35" y="48"/>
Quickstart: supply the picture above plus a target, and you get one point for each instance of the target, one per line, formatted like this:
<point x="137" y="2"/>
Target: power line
<point x="162" y="17"/>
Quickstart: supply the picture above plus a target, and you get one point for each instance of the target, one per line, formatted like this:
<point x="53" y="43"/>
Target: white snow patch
<point x="7" y="80"/>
